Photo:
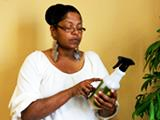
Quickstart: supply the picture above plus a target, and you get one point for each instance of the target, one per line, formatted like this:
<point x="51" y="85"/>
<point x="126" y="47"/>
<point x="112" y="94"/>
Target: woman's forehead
<point x="72" y="17"/>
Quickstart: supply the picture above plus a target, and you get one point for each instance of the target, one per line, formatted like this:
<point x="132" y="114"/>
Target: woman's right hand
<point x="84" y="88"/>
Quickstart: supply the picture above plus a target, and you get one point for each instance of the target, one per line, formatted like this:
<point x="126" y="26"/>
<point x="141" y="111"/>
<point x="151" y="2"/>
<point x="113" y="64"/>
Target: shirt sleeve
<point x="99" y="69"/>
<point x="27" y="88"/>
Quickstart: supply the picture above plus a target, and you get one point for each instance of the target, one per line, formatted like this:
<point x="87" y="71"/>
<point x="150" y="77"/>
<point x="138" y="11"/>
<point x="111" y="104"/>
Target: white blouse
<point x="38" y="78"/>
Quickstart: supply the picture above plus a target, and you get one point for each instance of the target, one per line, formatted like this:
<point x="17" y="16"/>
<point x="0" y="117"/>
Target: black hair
<point x="56" y="13"/>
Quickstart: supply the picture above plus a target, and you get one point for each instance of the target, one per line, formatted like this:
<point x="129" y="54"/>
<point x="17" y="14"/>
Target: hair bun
<point x="53" y="13"/>
<point x="56" y="13"/>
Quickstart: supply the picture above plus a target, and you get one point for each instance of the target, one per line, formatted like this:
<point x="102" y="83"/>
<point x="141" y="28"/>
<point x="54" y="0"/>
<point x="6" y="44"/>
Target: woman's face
<point x="69" y="31"/>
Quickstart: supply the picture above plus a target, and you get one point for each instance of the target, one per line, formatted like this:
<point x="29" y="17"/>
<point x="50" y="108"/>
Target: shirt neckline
<point x="57" y="69"/>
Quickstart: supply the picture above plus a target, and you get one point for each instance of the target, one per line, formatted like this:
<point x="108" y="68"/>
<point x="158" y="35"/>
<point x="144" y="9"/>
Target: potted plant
<point x="148" y="101"/>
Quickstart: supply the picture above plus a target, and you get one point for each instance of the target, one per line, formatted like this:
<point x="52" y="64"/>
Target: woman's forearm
<point x="43" y="107"/>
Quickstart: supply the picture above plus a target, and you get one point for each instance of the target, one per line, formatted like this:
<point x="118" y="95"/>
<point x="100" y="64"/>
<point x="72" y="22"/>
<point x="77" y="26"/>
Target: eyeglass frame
<point x="72" y="29"/>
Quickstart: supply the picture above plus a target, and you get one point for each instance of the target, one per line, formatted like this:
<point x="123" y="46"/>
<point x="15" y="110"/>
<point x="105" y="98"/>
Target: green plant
<point x="148" y="101"/>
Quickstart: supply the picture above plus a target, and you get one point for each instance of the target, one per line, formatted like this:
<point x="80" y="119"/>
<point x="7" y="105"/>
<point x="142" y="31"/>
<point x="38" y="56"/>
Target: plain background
<point x="114" y="27"/>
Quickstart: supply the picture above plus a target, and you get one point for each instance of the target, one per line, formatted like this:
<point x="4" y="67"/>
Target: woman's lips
<point x="75" y="40"/>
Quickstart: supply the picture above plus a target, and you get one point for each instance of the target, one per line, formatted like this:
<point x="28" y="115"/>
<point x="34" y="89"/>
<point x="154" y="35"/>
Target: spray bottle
<point x="112" y="82"/>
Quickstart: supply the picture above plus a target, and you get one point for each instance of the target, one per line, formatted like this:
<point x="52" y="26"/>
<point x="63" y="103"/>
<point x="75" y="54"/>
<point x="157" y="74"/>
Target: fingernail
<point x="95" y="95"/>
<point x="112" y="90"/>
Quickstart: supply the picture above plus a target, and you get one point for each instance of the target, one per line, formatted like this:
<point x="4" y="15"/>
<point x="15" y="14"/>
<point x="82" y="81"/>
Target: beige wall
<point x="114" y="27"/>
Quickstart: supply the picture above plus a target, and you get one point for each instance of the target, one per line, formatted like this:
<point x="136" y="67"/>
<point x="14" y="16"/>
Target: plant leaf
<point x="151" y="112"/>
<point x="149" y="102"/>
<point x="158" y="106"/>
<point x="158" y="30"/>
<point x="152" y="56"/>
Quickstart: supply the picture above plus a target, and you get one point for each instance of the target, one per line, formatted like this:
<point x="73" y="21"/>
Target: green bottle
<point x="112" y="82"/>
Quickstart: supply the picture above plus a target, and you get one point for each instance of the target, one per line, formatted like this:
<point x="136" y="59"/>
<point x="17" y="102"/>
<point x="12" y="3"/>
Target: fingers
<point x="87" y="89"/>
<point x="93" y="80"/>
<point x="114" y="94"/>
<point x="84" y="88"/>
<point x="86" y="92"/>
<point x="104" y="101"/>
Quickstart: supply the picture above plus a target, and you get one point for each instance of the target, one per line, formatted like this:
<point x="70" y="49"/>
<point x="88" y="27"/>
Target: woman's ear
<point x="52" y="28"/>
<point x="53" y="31"/>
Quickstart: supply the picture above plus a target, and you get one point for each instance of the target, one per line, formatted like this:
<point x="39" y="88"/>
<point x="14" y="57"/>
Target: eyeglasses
<point x="71" y="29"/>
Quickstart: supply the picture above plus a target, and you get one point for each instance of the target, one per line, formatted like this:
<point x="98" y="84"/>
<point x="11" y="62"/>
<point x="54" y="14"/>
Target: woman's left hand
<point x="107" y="104"/>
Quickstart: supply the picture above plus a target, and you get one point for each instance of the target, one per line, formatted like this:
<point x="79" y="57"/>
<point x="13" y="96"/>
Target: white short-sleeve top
<point x="38" y="78"/>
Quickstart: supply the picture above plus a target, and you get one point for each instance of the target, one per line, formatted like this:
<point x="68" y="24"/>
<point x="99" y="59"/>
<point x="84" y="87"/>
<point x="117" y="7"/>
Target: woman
<point x="54" y="84"/>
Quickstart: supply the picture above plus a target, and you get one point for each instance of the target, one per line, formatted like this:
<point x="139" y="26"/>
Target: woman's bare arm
<point x="43" y="107"/>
